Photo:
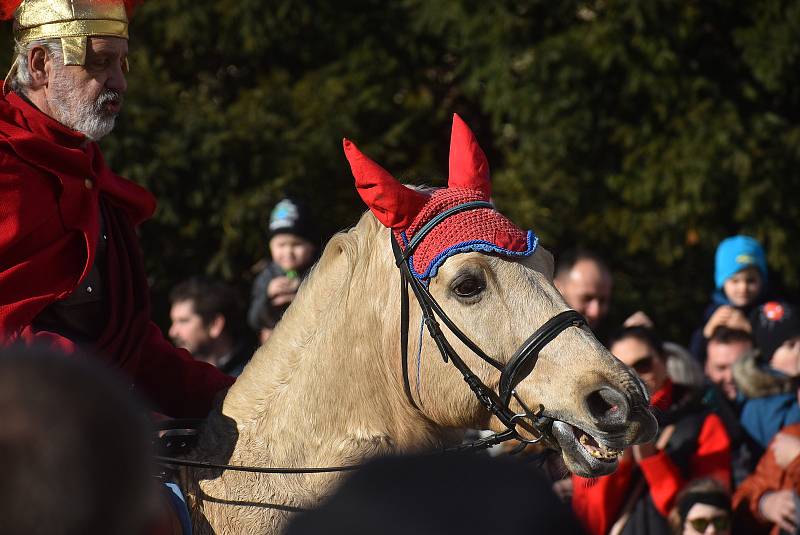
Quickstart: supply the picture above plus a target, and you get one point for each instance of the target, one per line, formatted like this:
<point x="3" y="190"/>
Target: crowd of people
<point x="727" y="405"/>
<point x="726" y="460"/>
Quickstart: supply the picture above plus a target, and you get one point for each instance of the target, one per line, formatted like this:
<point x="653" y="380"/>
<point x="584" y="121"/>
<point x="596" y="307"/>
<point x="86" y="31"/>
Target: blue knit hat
<point x="735" y="254"/>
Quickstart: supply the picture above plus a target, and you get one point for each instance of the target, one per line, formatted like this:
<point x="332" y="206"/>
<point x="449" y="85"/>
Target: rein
<point x="476" y="445"/>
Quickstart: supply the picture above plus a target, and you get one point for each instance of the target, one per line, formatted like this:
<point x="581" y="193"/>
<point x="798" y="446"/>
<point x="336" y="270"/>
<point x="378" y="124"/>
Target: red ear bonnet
<point x="393" y="204"/>
<point x="468" y="166"/>
<point x="406" y="211"/>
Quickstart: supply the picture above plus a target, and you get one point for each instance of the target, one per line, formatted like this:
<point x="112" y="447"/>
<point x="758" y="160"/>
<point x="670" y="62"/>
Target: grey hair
<point x="22" y="80"/>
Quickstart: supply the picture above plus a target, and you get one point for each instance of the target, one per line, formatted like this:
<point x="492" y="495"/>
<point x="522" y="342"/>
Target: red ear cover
<point x="7" y="8"/>
<point x="394" y="204"/>
<point x="468" y="166"/>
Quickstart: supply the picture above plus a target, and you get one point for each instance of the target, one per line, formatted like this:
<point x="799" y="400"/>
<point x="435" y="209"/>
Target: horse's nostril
<point x="606" y="405"/>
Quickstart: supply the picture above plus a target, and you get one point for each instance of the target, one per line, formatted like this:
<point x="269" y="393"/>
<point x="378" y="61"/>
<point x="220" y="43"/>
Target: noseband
<point x="518" y="367"/>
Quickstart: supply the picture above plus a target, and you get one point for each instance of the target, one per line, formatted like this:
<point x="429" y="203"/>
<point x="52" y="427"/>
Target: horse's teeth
<point x="600" y="452"/>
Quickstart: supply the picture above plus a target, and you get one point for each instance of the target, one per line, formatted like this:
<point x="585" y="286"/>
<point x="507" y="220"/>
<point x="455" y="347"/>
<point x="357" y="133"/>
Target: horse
<point x="351" y="373"/>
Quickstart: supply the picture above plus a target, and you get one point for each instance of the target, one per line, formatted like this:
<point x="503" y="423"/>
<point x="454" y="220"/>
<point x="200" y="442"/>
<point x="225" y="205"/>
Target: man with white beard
<point x="71" y="272"/>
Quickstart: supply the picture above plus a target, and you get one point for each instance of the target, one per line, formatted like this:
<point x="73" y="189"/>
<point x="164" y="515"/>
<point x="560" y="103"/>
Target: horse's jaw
<point x="584" y="455"/>
<point x="595" y="453"/>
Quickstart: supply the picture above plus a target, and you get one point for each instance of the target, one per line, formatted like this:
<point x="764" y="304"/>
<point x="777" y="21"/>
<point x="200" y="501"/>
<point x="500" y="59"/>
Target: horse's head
<point x="519" y="347"/>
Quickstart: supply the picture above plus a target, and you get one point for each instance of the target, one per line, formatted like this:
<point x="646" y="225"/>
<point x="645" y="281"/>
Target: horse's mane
<point x="353" y="263"/>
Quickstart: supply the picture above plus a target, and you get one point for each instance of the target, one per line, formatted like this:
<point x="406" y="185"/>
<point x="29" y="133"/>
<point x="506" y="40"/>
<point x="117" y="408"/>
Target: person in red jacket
<point x="692" y="444"/>
<point x="71" y="270"/>
<point x="767" y="501"/>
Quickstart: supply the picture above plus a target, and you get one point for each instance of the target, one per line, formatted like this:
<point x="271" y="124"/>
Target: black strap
<point x="528" y="353"/>
<point x="497" y="406"/>
<point x="430" y="310"/>
<point x="404" y="338"/>
<point x="476" y="445"/>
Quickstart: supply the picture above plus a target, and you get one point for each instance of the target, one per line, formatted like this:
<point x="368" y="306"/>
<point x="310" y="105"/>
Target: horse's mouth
<point x="584" y="454"/>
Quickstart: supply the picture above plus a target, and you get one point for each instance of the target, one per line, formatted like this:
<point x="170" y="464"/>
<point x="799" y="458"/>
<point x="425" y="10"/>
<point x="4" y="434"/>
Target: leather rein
<point x="497" y="403"/>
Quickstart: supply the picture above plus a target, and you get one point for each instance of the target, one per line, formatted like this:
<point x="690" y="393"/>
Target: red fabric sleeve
<point x="32" y="241"/>
<point x="181" y="386"/>
<point x="712" y="459"/>
<point x="596" y="502"/>
<point x="49" y="340"/>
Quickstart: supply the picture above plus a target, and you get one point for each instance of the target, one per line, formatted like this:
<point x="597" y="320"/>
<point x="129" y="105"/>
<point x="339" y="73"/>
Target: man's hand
<point x="778" y="507"/>
<point x="785" y="448"/>
<point x="727" y="316"/>
<point x="281" y="290"/>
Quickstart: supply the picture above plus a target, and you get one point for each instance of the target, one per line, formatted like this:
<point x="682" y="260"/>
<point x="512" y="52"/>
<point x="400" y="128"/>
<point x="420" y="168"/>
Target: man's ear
<point x="217" y="326"/>
<point x="39" y="66"/>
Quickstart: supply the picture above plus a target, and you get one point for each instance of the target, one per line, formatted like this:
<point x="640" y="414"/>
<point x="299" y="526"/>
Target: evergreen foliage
<point x="645" y="130"/>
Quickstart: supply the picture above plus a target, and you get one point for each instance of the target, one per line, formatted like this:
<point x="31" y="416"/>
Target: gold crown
<point x="72" y="21"/>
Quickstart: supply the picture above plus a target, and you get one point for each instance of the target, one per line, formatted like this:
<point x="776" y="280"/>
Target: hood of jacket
<point x="755" y="379"/>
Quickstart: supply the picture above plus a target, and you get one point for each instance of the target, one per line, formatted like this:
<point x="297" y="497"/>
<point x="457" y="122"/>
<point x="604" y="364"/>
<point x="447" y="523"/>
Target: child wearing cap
<point x="740" y="277"/>
<point x="292" y="248"/>
<point x="768" y="376"/>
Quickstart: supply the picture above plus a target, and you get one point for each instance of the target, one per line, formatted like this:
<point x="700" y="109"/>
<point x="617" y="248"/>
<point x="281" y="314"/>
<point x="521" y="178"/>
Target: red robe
<point x="51" y="180"/>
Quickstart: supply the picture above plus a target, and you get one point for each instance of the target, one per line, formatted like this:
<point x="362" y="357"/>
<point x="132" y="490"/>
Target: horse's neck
<point x="326" y="387"/>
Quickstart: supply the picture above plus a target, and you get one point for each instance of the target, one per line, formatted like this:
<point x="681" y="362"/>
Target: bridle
<point x="519" y="366"/>
<point x="497" y="403"/>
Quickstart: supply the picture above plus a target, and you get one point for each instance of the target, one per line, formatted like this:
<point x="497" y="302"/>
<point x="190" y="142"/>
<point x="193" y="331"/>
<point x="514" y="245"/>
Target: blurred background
<point x="645" y="130"/>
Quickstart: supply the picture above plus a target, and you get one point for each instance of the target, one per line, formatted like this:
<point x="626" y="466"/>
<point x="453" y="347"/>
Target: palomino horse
<point x="333" y="385"/>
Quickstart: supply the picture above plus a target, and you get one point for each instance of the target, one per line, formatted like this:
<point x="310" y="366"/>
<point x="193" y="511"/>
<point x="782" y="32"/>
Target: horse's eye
<point x="468" y="287"/>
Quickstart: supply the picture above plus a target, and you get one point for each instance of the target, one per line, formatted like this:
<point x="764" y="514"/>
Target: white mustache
<point x="107" y="96"/>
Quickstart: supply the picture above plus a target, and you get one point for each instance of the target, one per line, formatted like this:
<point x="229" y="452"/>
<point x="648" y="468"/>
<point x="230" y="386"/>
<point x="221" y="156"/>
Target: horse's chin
<point x="582" y="453"/>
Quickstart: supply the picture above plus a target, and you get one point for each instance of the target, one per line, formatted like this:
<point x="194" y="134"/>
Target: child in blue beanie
<point x="740" y="277"/>
<point x="740" y="271"/>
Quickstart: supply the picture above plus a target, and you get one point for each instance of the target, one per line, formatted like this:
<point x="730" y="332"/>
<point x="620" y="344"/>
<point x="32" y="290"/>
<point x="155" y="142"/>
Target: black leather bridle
<point x="519" y="365"/>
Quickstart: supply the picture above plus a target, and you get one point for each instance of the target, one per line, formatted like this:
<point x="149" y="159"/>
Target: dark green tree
<point x="647" y="131"/>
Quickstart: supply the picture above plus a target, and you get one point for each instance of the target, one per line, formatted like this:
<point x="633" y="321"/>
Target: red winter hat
<point x="406" y="211"/>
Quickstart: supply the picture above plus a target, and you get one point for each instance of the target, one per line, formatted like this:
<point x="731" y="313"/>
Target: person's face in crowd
<point x="704" y="519"/>
<point x="719" y="364"/>
<point x="587" y="289"/>
<point x="786" y="358"/>
<point x="743" y="288"/>
<point x="643" y="359"/>
<point x="291" y="252"/>
<point x="88" y="98"/>
<point x="187" y="329"/>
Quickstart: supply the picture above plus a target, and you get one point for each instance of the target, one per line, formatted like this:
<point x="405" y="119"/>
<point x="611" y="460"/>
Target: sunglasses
<point x="644" y="365"/>
<point x="720" y="523"/>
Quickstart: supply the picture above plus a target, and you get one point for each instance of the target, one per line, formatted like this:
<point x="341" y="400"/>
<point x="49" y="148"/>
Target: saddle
<point x="174" y="438"/>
